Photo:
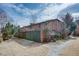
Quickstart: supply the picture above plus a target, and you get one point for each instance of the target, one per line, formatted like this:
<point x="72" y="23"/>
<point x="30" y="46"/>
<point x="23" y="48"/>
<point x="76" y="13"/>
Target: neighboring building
<point x="51" y="25"/>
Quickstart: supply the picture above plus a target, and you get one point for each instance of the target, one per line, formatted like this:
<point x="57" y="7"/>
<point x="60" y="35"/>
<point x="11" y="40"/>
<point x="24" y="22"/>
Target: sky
<point x="25" y="13"/>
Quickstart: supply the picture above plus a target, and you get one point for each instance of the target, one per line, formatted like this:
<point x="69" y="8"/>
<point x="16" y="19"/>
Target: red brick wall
<point x="42" y="36"/>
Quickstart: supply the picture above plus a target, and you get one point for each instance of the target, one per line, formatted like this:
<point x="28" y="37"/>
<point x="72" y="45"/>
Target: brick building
<point x="53" y="26"/>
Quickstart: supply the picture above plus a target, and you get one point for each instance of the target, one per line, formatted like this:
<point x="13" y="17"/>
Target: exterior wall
<point x="35" y="27"/>
<point x="55" y="25"/>
<point x="50" y="25"/>
<point x="43" y="26"/>
<point x="60" y="26"/>
<point x="42" y="36"/>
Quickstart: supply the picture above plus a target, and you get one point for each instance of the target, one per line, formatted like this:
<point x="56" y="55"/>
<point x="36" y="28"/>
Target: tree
<point x="70" y="26"/>
<point x="7" y="31"/>
<point x="68" y="19"/>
